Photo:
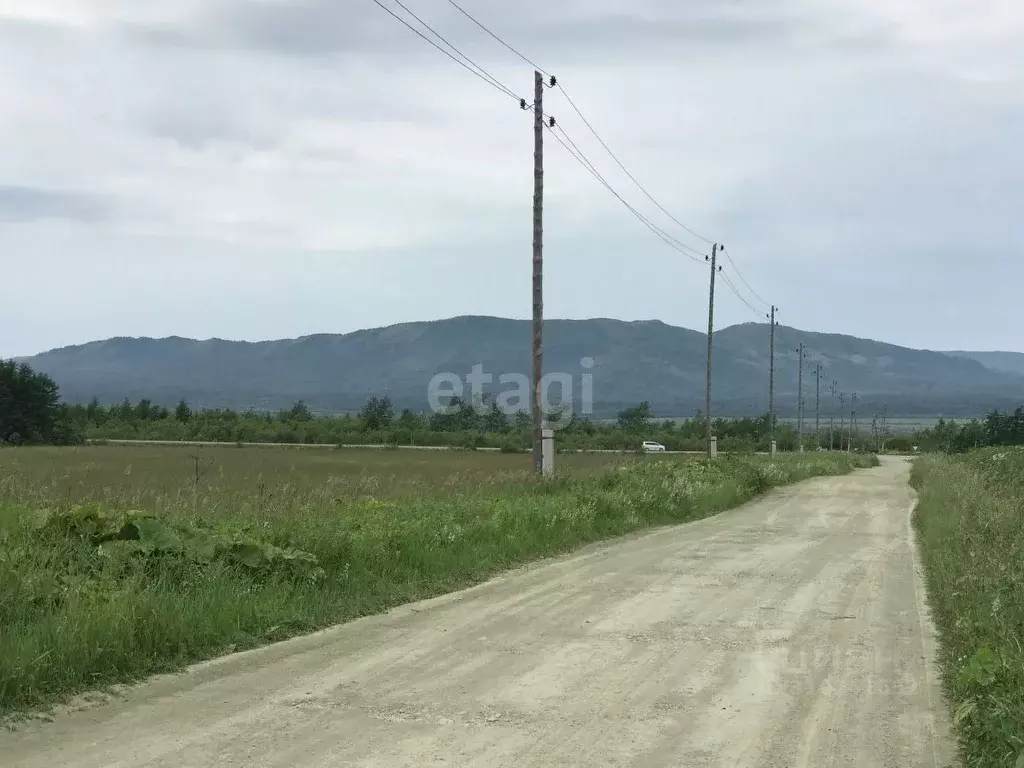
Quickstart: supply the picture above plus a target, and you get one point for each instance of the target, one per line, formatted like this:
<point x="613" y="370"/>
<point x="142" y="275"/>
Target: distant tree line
<point x="460" y="424"/>
<point x="31" y="412"/>
<point x="996" y="429"/>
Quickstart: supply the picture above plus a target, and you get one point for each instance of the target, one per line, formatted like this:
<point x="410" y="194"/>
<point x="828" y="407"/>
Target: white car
<point x="651" y="447"/>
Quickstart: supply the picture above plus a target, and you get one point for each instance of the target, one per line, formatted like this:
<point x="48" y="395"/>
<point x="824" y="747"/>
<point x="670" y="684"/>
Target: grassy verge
<point x="91" y="594"/>
<point x="970" y="520"/>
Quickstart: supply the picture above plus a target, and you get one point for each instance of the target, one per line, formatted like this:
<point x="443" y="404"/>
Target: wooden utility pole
<point x="832" y="416"/>
<point x="538" y="269"/>
<point x="885" y="414"/>
<point x="800" y="398"/>
<point x="842" y="418"/>
<point x="853" y="421"/>
<point x="817" y="406"/>
<point x="711" y="331"/>
<point x="771" y="381"/>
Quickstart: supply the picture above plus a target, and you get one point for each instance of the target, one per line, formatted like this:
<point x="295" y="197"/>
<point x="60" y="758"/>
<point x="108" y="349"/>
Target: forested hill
<point x="1007" y="362"/>
<point x="634" y="361"/>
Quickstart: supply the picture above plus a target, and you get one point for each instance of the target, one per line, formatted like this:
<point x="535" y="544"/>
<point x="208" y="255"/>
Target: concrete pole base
<point x="548" y="451"/>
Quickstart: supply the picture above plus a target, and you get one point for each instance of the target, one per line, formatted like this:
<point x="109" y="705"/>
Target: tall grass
<point x="970" y="520"/>
<point x="77" y="613"/>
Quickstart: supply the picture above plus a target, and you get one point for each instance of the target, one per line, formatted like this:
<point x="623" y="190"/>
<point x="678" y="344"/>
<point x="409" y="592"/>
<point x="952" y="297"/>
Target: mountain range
<point x="632" y="362"/>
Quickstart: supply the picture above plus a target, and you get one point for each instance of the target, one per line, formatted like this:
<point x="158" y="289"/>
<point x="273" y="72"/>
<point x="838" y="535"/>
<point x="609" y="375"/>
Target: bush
<point x="399" y="436"/>
<point x="470" y="441"/>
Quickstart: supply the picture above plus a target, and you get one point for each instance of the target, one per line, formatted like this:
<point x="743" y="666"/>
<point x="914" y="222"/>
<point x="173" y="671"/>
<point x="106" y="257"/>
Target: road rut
<point x="789" y="632"/>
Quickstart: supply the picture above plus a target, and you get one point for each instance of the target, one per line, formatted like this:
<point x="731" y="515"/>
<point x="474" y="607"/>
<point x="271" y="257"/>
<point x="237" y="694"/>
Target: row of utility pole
<point x="542" y="443"/>
<point x="802" y="356"/>
<point x="879" y="432"/>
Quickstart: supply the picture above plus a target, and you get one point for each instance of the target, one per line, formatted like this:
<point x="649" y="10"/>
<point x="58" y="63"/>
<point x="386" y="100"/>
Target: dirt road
<point x="790" y="632"/>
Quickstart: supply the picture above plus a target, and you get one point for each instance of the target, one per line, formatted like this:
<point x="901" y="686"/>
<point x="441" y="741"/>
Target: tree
<point x="144" y="410"/>
<point x="1004" y="428"/>
<point x="29" y="404"/>
<point x="69" y="427"/>
<point x="495" y="420"/>
<point x="94" y="411"/>
<point x="377" y="414"/>
<point x="635" y="419"/>
<point x="298" y="412"/>
<point x="411" y="421"/>
<point x="523" y="420"/>
<point x="124" y="411"/>
<point x="183" y="413"/>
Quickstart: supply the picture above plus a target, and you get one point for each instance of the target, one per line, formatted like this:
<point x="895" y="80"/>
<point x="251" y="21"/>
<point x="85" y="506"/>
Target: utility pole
<point x="817" y="406"/>
<point x="885" y="427"/>
<point x="771" y="382"/>
<point x="832" y="415"/>
<point x="842" y="418"/>
<point x="538" y="269"/>
<point x="711" y="330"/>
<point x="800" y="398"/>
<point x="853" y="422"/>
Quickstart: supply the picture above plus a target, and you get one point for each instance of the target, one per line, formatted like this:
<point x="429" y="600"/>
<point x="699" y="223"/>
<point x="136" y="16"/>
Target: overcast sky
<point x="254" y="169"/>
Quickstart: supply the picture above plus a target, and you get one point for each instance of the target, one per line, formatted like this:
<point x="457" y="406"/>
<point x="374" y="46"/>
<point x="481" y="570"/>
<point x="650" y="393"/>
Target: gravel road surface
<point x="790" y="632"/>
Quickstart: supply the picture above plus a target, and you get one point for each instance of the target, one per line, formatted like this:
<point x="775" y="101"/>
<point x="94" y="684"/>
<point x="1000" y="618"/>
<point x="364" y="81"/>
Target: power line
<point x="582" y="117"/>
<point x="732" y="288"/>
<point x="626" y="170"/>
<point x="667" y="238"/>
<point x="466" y="13"/>
<point x="577" y="154"/>
<point x="471" y="66"/>
<point x="497" y="83"/>
<point x="740" y="276"/>
<point x="659" y="230"/>
<point x="787" y="341"/>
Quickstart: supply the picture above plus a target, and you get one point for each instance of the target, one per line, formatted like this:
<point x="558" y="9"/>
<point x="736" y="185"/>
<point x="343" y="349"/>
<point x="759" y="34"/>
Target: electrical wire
<point x="743" y="279"/>
<point x="626" y="170"/>
<point x="695" y="253"/>
<point x="466" y="13"/>
<point x="586" y="122"/>
<point x="732" y="288"/>
<point x="471" y="66"/>
<point x="668" y="239"/>
<point x="790" y="345"/>
<point x="581" y="158"/>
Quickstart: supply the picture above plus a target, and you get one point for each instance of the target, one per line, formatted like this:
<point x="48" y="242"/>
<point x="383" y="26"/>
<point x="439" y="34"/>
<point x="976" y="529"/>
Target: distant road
<point x="790" y="633"/>
<point x="209" y="443"/>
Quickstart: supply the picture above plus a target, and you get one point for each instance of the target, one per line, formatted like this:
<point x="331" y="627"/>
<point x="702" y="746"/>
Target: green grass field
<point x="279" y="479"/>
<point x="970" y="521"/>
<point x="118" y="562"/>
